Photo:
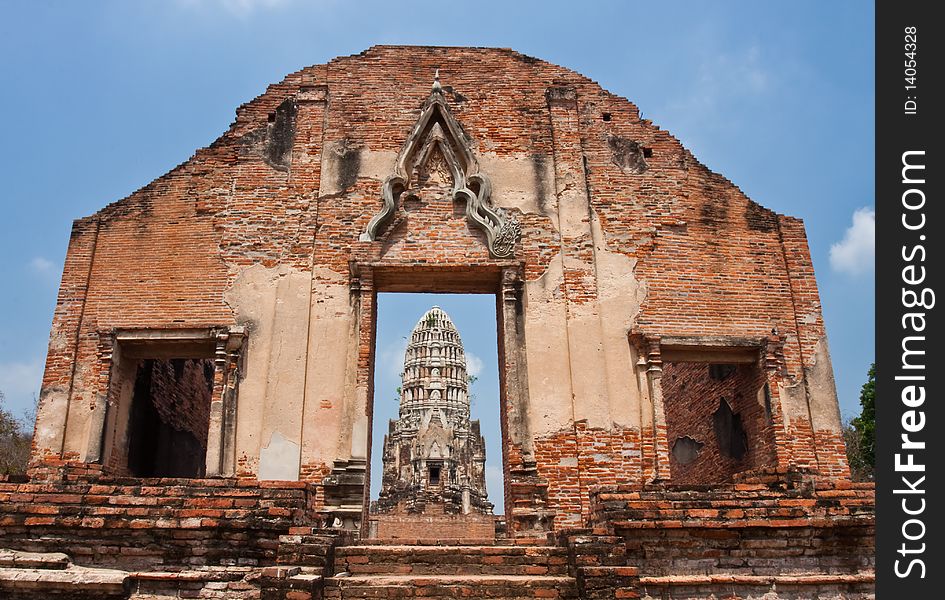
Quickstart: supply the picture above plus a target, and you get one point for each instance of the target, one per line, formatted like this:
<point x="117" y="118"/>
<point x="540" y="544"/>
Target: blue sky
<point x="100" y="98"/>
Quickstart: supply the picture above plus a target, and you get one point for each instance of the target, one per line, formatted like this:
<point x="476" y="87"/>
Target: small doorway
<point x="170" y="417"/>
<point x="161" y="405"/>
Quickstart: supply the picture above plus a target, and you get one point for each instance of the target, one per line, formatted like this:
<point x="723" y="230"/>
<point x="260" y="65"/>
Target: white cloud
<point x="239" y="8"/>
<point x="473" y="364"/>
<point x="856" y="252"/>
<point x="41" y="265"/>
<point x="391" y="358"/>
<point x="20" y="382"/>
<point x="44" y="270"/>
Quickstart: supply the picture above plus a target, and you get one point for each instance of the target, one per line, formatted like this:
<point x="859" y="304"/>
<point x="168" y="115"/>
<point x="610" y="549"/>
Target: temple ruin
<point x="669" y="419"/>
<point x="434" y="456"/>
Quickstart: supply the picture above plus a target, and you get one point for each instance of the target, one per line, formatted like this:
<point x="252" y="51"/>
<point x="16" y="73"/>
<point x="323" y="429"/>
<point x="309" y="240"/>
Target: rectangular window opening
<point x="717" y="418"/>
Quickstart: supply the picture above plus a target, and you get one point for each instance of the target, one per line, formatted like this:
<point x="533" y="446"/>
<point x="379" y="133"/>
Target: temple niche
<point x="434" y="456"/>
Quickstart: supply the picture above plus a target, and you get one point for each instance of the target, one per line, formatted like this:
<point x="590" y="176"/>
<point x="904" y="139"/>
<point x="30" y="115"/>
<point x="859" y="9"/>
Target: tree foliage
<point x="860" y="432"/>
<point x="15" y="439"/>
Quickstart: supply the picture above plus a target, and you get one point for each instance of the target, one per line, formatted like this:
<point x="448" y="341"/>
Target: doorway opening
<point x="437" y="436"/>
<point x="161" y="394"/>
<point x="170" y="417"/>
<point x="434" y="478"/>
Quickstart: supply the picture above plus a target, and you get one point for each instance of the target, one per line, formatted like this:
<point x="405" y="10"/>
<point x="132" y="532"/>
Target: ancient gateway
<point x="434" y="456"/>
<point x="669" y="420"/>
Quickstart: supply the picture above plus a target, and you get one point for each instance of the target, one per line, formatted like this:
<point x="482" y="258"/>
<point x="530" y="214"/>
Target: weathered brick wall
<point x="265" y="226"/>
<point x="574" y="461"/>
<point x="692" y="396"/>
<point x="742" y="529"/>
<point x="142" y="523"/>
<point x="180" y="391"/>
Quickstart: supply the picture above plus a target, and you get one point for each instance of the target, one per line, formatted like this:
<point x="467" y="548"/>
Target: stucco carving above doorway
<point x="437" y="144"/>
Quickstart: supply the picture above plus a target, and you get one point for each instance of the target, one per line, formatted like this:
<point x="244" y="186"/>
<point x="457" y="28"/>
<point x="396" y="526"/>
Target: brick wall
<point x="145" y="523"/>
<point x="746" y="529"/>
<point x="576" y="460"/>
<point x="692" y="397"/>
<point x="459" y="528"/>
<point x="290" y="184"/>
<point x="180" y="391"/>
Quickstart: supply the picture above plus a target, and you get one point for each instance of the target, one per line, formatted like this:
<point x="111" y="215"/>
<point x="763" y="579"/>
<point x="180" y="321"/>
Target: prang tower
<point x="434" y="455"/>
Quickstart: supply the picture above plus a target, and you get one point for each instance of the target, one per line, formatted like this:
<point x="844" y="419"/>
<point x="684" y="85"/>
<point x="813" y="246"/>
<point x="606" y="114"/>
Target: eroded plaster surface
<point x="272" y="303"/>
<point x="279" y="459"/>
<point x="558" y="346"/>
<point x="619" y="297"/>
<point x="824" y="407"/>
<point x="813" y="397"/>
<point x="520" y="181"/>
<point x="331" y="371"/>
<point x="52" y="410"/>
<point x="51" y="419"/>
<point x="344" y="163"/>
<point x="549" y="371"/>
<point x="81" y="407"/>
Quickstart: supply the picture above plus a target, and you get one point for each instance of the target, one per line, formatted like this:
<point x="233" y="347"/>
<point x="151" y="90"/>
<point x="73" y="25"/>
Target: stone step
<point x="459" y="560"/>
<point x="495" y="587"/>
<point x="305" y="550"/>
<point x="71" y="582"/>
<point x="33" y="560"/>
<point x="232" y="583"/>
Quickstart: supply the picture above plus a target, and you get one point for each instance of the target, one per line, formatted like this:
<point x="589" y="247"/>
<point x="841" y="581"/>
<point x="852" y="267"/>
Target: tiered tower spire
<point x="434" y="454"/>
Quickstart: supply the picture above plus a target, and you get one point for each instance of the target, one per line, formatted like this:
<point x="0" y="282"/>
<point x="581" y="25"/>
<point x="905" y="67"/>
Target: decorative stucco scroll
<point x="438" y="129"/>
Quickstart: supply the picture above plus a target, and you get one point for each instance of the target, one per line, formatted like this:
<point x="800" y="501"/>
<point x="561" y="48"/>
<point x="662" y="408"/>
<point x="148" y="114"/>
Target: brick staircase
<point x="40" y="576"/>
<point x="484" y="571"/>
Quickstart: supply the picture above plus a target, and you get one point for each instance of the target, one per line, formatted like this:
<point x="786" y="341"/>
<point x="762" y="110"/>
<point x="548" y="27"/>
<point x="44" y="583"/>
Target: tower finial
<point x="437" y="88"/>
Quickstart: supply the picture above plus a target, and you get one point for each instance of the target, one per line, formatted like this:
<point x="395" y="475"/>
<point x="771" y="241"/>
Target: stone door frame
<point x="503" y="279"/>
<point x="223" y="345"/>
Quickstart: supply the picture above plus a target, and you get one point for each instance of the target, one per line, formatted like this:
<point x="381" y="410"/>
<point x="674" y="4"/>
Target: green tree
<point x="860" y="432"/>
<point x="15" y="439"/>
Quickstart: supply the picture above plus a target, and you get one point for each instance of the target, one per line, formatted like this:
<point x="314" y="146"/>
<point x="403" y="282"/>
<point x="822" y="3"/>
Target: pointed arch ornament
<point x="438" y="129"/>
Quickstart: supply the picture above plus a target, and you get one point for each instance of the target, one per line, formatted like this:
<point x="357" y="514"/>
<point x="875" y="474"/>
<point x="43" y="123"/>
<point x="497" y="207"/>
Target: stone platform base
<point x="471" y="528"/>
<point x="114" y="539"/>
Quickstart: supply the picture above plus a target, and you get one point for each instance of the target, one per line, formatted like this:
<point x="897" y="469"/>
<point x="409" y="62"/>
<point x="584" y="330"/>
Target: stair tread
<point x="440" y="549"/>
<point x="448" y="579"/>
